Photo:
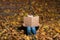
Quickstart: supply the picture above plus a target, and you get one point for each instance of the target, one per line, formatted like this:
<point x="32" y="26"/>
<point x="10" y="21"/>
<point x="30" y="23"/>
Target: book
<point x="31" y="21"/>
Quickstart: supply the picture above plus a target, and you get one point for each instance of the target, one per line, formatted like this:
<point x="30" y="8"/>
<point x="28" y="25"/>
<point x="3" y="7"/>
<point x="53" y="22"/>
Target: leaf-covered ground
<point x="11" y="16"/>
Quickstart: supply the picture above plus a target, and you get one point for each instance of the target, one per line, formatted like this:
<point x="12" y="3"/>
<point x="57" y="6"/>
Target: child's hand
<point x="24" y="24"/>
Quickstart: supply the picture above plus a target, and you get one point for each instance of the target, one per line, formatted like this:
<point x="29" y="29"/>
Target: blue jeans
<point x="31" y="30"/>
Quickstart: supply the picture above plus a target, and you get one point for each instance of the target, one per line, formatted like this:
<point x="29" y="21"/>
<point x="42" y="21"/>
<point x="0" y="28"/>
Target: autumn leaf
<point x="57" y="30"/>
<point x="7" y="11"/>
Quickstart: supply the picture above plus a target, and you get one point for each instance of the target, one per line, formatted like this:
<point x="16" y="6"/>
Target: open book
<point x="31" y="21"/>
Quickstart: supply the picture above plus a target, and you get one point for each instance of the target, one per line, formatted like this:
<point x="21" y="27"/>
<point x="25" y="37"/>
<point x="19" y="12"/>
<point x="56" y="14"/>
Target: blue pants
<point x="31" y="30"/>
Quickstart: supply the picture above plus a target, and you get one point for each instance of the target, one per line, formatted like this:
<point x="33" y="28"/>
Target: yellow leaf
<point x="33" y="2"/>
<point x="7" y="10"/>
<point x="57" y="30"/>
<point x="5" y="37"/>
<point x="14" y="23"/>
<point x="18" y="18"/>
<point x="43" y="33"/>
<point x="17" y="22"/>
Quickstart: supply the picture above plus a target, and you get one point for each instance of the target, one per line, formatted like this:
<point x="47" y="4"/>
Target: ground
<point x="11" y="17"/>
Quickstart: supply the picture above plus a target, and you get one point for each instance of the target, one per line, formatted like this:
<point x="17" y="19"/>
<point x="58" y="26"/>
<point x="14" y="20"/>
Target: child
<point x="31" y="22"/>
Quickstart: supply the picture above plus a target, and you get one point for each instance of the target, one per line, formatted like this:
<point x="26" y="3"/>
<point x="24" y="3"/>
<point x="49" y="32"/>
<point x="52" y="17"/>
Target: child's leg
<point x="28" y="30"/>
<point x="33" y="29"/>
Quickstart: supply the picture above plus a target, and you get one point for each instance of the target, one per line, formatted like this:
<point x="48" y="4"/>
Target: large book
<point x="31" y="21"/>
